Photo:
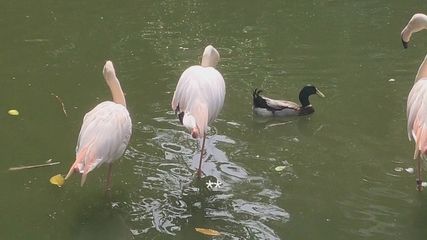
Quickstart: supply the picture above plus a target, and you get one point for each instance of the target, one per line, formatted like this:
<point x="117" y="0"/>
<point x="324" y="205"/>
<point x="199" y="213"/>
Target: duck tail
<point x="257" y="99"/>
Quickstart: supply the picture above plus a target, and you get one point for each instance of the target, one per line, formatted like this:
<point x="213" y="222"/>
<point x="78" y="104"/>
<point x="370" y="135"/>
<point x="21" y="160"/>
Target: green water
<point x="340" y="180"/>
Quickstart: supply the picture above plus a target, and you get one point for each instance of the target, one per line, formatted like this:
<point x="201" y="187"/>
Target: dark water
<point x="344" y="175"/>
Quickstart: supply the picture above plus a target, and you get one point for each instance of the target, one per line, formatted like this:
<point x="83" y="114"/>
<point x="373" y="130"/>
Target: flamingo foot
<point x="200" y="173"/>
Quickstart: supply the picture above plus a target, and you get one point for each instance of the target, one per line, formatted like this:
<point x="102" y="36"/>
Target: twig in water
<point x="276" y="124"/>
<point x="62" y="103"/>
<point x="33" y="166"/>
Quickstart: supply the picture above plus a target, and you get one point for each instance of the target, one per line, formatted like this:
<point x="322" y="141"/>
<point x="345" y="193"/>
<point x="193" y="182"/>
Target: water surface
<point x="340" y="180"/>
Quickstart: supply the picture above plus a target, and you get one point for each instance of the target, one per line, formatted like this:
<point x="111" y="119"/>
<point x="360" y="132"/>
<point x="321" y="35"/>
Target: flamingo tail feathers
<point x="83" y="164"/>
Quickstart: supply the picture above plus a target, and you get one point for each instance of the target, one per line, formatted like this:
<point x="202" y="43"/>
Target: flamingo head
<point x="210" y="57"/>
<point x="417" y="23"/>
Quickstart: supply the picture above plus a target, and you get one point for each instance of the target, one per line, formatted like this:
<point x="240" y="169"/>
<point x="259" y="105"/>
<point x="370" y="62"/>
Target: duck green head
<point x="306" y="92"/>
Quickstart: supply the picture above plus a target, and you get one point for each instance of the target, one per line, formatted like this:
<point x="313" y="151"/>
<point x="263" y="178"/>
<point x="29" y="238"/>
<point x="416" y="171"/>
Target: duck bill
<point x="320" y="93"/>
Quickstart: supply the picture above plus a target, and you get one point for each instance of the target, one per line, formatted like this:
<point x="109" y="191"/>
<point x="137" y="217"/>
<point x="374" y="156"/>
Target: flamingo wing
<point x="417" y="116"/>
<point x="200" y="94"/>
<point x="104" y="136"/>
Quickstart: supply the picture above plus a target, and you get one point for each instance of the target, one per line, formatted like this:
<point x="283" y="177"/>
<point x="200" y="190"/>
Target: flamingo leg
<point x="199" y="171"/>
<point x="419" y="180"/>
<point x="109" y="176"/>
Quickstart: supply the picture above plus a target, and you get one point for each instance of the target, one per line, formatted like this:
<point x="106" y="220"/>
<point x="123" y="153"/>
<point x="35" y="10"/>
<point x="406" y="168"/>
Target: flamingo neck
<point x="116" y="91"/>
<point x="417" y="23"/>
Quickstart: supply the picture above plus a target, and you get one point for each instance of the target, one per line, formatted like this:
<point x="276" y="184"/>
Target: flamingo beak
<point x="320" y="93"/>
<point x="405" y="44"/>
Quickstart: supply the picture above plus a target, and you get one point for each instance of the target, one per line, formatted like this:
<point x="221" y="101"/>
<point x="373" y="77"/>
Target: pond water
<point x="344" y="174"/>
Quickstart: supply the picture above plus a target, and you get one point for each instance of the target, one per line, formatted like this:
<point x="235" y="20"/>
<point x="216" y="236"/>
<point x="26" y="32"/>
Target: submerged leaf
<point x="57" y="180"/>
<point x="207" y="231"/>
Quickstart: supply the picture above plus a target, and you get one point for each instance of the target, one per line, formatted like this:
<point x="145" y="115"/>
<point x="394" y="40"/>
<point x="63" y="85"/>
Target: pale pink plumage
<point x="416" y="108"/>
<point x="105" y="131"/>
<point x="417" y="116"/>
<point x="199" y="96"/>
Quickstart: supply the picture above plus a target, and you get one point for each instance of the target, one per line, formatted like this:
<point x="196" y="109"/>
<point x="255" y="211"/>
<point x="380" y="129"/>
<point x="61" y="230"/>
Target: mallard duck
<point x="268" y="107"/>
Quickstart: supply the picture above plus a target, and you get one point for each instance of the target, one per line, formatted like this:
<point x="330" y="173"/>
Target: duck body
<point x="267" y="107"/>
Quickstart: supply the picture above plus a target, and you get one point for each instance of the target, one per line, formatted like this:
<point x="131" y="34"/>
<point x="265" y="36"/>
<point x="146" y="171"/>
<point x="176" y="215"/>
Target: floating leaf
<point x="280" y="168"/>
<point x="13" y="112"/>
<point x="207" y="231"/>
<point x="57" y="180"/>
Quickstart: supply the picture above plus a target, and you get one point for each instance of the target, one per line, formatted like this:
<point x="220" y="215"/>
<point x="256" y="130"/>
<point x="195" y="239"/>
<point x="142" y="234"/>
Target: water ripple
<point x="171" y="201"/>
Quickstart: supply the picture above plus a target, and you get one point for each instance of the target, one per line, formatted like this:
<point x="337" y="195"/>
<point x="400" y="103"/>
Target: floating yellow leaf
<point x="57" y="180"/>
<point x="207" y="231"/>
<point x="13" y="112"/>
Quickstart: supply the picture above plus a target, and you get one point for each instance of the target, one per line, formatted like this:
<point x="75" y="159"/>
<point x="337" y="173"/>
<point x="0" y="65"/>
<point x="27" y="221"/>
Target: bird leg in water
<point x="419" y="180"/>
<point x="109" y="176"/>
<point x="199" y="171"/>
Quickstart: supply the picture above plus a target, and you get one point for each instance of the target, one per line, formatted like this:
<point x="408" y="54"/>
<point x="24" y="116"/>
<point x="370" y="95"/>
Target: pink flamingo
<point x="416" y="108"/>
<point x="199" y="96"/>
<point x="105" y="132"/>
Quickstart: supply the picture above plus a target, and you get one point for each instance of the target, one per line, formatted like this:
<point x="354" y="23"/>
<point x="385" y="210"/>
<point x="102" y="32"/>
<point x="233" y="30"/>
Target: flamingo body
<point x="103" y="137"/>
<point x="416" y="107"/>
<point x="105" y="131"/>
<point x="416" y="110"/>
<point x="199" y="96"/>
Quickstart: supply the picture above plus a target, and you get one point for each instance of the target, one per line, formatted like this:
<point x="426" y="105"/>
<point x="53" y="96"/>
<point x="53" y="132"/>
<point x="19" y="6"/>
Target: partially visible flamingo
<point x="416" y="108"/>
<point x="105" y="132"/>
<point x="199" y="96"/>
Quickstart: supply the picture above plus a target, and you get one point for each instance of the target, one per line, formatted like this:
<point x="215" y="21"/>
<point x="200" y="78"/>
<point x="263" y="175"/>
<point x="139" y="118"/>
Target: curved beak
<point x="320" y="93"/>
<point x="405" y="44"/>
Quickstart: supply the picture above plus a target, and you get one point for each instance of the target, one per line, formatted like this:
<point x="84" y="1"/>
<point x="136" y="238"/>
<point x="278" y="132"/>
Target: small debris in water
<point x="398" y="169"/>
<point x="392" y="80"/>
<point x="409" y="170"/>
<point x="33" y="166"/>
<point x="233" y="123"/>
<point x="13" y="112"/>
<point x="207" y="231"/>
<point x="280" y="168"/>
